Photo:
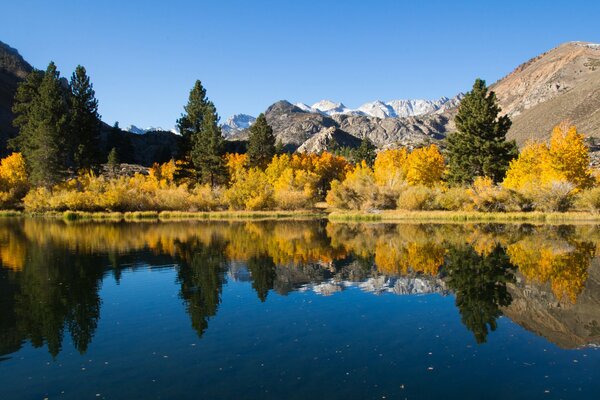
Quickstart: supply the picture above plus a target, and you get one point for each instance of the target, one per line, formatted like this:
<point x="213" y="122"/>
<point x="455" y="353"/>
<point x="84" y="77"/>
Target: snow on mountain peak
<point x="141" y="131"/>
<point x="380" y="109"/>
<point x="237" y="122"/>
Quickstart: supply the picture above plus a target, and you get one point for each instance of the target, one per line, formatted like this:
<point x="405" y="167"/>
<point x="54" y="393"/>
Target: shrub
<point x="557" y="196"/>
<point x="415" y="198"/>
<point x="357" y="192"/>
<point x="250" y="191"/>
<point x="13" y="180"/>
<point x="488" y="197"/>
<point x="453" y="199"/>
<point x="589" y="200"/>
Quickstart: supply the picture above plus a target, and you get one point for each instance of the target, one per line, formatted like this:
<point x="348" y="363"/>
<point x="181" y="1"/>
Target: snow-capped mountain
<point x="236" y="123"/>
<point x="389" y="109"/>
<point x="141" y="131"/>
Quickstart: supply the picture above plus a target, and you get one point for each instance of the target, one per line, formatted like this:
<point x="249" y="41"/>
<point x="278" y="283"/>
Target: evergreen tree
<point x="27" y="92"/>
<point x="122" y="143"/>
<point x="365" y="152"/>
<point x="261" y="143"/>
<point x="113" y="162"/>
<point x="85" y="121"/>
<point x="207" y="149"/>
<point x="43" y="144"/>
<point x="479" y="283"/>
<point x="279" y="147"/>
<point x="191" y="121"/>
<point x="479" y="146"/>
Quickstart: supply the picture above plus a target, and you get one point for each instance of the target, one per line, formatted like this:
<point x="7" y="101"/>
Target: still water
<point x="297" y="310"/>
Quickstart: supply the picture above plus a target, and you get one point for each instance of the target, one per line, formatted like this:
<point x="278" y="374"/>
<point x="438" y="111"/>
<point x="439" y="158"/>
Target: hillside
<point x="13" y="69"/>
<point x="563" y="83"/>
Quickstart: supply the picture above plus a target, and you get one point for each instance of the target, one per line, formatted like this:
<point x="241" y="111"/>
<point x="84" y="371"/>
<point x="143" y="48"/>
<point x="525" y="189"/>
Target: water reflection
<point x="52" y="271"/>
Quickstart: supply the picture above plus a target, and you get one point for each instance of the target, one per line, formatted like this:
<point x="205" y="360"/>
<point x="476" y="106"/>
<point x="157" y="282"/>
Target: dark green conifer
<point x="27" y="92"/>
<point x="479" y="146"/>
<point x="44" y="145"/>
<point x="84" y="121"/>
<point x="190" y="122"/>
<point x="365" y="152"/>
<point x="113" y="162"/>
<point x="207" y="149"/>
<point x="261" y="143"/>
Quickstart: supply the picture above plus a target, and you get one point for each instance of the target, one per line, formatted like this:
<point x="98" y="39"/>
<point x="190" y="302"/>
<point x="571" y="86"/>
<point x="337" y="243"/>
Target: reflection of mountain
<point x="535" y="308"/>
<point x="52" y="271"/>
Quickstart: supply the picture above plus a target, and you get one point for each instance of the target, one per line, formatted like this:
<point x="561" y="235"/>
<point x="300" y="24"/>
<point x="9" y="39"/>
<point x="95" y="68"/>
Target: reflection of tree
<point x="58" y="290"/>
<point x="202" y="275"/>
<point x="263" y="273"/>
<point x="479" y="282"/>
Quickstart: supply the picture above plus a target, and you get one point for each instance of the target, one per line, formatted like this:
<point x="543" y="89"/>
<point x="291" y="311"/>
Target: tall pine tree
<point x="261" y="143"/>
<point x="43" y="130"/>
<point x="479" y="146"/>
<point x="84" y="137"/>
<point x="190" y="122"/>
<point x="207" y="149"/>
<point x="27" y="92"/>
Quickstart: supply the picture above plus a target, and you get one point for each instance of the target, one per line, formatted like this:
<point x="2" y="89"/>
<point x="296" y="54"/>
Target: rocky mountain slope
<point x="295" y="126"/>
<point x="563" y="83"/>
<point x="13" y="69"/>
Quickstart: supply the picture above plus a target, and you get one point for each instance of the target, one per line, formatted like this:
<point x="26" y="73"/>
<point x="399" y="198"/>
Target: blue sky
<point x="144" y="56"/>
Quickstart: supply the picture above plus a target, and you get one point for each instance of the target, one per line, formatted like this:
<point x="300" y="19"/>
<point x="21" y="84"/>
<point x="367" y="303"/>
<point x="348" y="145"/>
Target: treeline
<point x="479" y="170"/>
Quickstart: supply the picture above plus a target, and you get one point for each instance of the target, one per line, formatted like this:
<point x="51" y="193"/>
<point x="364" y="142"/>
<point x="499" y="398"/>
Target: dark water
<point x="278" y="310"/>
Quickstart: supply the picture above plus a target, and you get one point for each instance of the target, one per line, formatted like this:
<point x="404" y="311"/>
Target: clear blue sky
<point x="144" y="56"/>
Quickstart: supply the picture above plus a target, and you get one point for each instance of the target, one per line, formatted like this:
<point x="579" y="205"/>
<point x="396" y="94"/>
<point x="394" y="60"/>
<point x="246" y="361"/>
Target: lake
<point x="297" y="310"/>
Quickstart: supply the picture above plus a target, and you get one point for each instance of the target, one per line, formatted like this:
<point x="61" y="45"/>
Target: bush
<point x="357" y="192"/>
<point x="415" y="198"/>
<point x="250" y="191"/>
<point x="453" y="199"/>
<point x="487" y="197"/>
<point x="589" y="200"/>
<point x="558" y="196"/>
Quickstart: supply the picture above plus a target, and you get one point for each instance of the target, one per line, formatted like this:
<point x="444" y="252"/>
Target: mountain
<point x="236" y="123"/>
<point x="380" y="109"/>
<point x="13" y="69"/>
<point x="294" y="126"/>
<point x="563" y="83"/>
<point x="141" y="131"/>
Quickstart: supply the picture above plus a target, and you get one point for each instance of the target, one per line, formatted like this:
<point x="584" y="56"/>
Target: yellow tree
<point x="390" y="167"/>
<point x="570" y="155"/>
<point x="426" y="166"/>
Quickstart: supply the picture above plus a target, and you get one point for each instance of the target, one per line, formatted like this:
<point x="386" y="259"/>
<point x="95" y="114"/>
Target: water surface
<point x="298" y="309"/>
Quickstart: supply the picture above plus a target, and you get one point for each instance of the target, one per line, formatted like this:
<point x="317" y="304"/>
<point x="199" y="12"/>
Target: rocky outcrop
<point x="328" y="139"/>
<point x="567" y="325"/>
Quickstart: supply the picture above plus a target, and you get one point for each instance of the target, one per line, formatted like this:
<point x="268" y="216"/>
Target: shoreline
<point x="334" y="216"/>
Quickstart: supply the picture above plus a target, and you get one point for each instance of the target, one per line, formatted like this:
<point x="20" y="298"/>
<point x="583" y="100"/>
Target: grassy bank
<point x="340" y="216"/>
<point x="457" y="216"/>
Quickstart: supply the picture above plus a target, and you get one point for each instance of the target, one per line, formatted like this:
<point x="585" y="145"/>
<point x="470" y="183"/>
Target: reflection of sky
<point x="298" y="345"/>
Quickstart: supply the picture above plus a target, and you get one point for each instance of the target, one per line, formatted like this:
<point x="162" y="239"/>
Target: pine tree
<point x="207" y="149"/>
<point x="279" y="147"/>
<point x="113" y="162"/>
<point x="365" y="152"/>
<point x="27" y="92"/>
<point x="85" y="122"/>
<point x="479" y="146"/>
<point x="261" y="143"/>
<point x="191" y="121"/>
<point x="43" y="145"/>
